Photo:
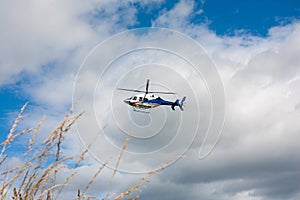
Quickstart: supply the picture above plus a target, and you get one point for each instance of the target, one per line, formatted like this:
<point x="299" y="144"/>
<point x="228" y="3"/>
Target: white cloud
<point x="258" y="144"/>
<point x="258" y="149"/>
<point x="177" y="17"/>
<point x="37" y="33"/>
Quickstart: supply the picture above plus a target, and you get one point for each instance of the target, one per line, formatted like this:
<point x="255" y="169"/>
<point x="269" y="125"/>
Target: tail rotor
<point x="181" y="103"/>
<point x="178" y="103"/>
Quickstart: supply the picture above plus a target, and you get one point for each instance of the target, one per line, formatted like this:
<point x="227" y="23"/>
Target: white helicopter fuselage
<point x="142" y="101"/>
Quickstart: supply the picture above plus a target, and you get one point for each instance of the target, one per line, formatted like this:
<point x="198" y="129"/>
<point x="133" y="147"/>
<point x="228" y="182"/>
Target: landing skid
<point x="141" y="110"/>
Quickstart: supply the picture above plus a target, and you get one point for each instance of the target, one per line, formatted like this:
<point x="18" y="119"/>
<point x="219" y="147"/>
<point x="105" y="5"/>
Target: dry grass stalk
<point x="81" y="157"/>
<point x="56" y="135"/>
<point x="9" y="171"/>
<point x="71" y="176"/>
<point x="39" y="182"/>
<point x="36" y="131"/>
<point x="136" y="198"/>
<point x="36" y="177"/>
<point x="107" y="196"/>
<point x="29" y="183"/>
<point x="4" y="157"/>
<point x="15" y="194"/>
<point x="94" y="177"/>
<point x="163" y="165"/>
<point x="23" y="181"/>
<point x="12" y="137"/>
<point x="120" y="156"/>
<point x="2" y="190"/>
<point x="88" y="197"/>
<point x="48" y="195"/>
<point x="17" y="175"/>
<point x="60" y="138"/>
<point x="14" y="126"/>
<point x="67" y="180"/>
<point x="63" y="127"/>
<point x="48" y="191"/>
<point x="135" y="187"/>
<point x="138" y="186"/>
<point x="80" y="196"/>
<point x="69" y="123"/>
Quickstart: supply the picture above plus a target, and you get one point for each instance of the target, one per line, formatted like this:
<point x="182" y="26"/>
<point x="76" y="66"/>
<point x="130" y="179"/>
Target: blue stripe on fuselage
<point x="160" y="101"/>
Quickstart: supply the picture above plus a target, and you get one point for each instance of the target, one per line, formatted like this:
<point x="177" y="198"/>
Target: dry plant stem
<point x="78" y="194"/>
<point x="18" y="174"/>
<point x="65" y="183"/>
<point x="138" y="185"/>
<point x="47" y="191"/>
<point x="15" y="194"/>
<point x="81" y="157"/>
<point x="60" y="138"/>
<point x="106" y="196"/>
<point x="11" y="170"/>
<point x="3" y="159"/>
<point x="23" y="181"/>
<point x="12" y="130"/>
<point x="136" y="198"/>
<point x="48" y="195"/>
<point x="30" y="181"/>
<point x="10" y="136"/>
<point x="63" y="127"/>
<point x="120" y="156"/>
<point x="36" y="131"/>
<point x="3" y="186"/>
<point x="34" y="178"/>
<point x="135" y="187"/>
<point x="48" y="143"/>
<point x="36" y="186"/>
<point x="94" y="177"/>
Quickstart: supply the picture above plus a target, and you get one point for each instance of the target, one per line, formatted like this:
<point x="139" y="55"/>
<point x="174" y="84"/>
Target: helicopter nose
<point x="127" y="101"/>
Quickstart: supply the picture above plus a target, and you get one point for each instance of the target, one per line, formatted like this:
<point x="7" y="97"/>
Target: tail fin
<point x="178" y="103"/>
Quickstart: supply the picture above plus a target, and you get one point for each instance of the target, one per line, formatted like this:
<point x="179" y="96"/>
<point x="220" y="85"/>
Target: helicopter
<point x="146" y="100"/>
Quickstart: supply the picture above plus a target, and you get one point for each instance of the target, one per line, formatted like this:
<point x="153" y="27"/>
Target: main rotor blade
<point x="161" y="92"/>
<point x="130" y="90"/>
<point x="147" y="86"/>
<point x="151" y="92"/>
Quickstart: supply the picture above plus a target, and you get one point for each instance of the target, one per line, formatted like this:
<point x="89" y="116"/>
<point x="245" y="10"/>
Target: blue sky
<point x="253" y="17"/>
<point x="44" y="44"/>
<point x="225" y="17"/>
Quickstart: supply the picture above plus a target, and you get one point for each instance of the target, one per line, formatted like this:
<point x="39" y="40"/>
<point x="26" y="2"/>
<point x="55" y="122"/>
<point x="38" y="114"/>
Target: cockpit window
<point x="134" y="98"/>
